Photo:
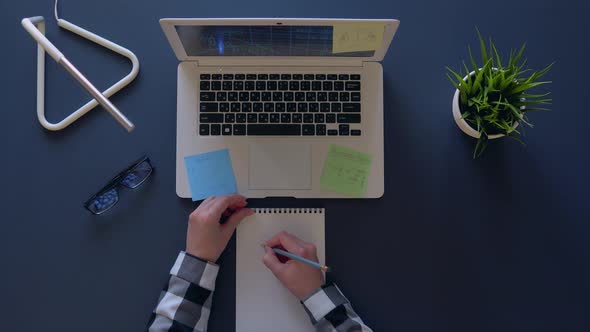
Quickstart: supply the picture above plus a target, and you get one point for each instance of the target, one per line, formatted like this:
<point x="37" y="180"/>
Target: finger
<point x="237" y="217"/>
<point x="288" y="241"/>
<point x="272" y="262"/>
<point x="220" y="204"/>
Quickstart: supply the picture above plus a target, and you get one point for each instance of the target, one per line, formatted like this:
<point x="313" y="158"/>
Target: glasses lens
<point x="104" y="201"/>
<point x="136" y="176"/>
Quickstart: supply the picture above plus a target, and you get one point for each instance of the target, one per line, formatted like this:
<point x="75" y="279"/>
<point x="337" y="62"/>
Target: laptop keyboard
<point x="280" y="104"/>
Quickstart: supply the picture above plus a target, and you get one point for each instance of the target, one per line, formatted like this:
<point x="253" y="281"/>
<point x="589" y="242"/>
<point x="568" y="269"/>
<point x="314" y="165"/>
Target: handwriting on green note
<point x="356" y="37"/>
<point x="346" y="171"/>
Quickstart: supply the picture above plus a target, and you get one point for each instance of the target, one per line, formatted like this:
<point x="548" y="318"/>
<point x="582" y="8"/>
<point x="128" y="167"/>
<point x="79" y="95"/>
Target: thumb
<point x="237" y="217"/>
<point x="271" y="261"/>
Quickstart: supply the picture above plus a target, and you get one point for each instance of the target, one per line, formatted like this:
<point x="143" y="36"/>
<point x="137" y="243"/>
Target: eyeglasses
<point x="132" y="177"/>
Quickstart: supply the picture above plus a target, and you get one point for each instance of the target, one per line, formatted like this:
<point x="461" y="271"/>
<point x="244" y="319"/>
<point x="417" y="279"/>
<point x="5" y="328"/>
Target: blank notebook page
<point x="262" y="303"/>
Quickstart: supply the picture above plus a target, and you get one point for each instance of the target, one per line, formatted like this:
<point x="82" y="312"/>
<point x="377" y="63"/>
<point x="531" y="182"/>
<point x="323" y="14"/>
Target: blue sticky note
<point x="210" y="174"/>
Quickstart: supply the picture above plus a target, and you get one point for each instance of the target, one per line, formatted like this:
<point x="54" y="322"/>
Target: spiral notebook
<point x="262" y="303"/>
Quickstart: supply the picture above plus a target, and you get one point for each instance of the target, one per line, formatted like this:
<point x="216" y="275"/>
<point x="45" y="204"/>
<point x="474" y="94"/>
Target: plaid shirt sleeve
<point x="185" y="302"/>
<point x="330" y="311"/>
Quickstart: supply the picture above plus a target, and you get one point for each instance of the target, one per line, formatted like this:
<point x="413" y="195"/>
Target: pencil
<point x="299" y="258"/>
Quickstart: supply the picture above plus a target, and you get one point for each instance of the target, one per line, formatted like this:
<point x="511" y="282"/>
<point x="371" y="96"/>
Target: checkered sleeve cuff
<point x="323" y="301"/>
<point x="195" y="270"/>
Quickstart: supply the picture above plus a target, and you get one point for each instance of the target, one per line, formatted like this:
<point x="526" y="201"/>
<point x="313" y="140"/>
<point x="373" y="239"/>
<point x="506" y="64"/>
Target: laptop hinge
<point x="331" y="62"/>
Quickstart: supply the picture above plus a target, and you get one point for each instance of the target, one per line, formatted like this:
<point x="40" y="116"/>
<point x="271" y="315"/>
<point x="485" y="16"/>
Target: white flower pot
<point x="462" y="124"/>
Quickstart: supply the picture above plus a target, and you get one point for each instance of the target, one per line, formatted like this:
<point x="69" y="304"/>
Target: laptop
<point x="277" y="93"/>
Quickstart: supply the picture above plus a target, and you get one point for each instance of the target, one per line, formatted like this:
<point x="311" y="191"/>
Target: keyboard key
<point x="255" y="96"/>
<point x="355" y="96"/>
<point x="286" y="76"/>
<point x="349" y="118"/>
<point x="221" y="96"/>
<point x="308" y="77"/>
<point x="336" y="107"/>
<point x="330" y="118"/>
<point x="250" y="76"/>
<point x="269" y="107"/>
<point x="215" y="85"/>
<point x="228" y="76"/>
<point x="244" y="96"/>
<point x="208" y="107"/>
<point x="240" y="77"/>
<point x="322" y="96"/>
<point x="216" y="76"/>
<point x="263" y="118"/>
<point x="325" y="107"/>
<point x="332" y="77"/>
<point x="223" y="107"/>
<point x="353" y="86"/>
<point x="280" y="107"/>
<point x="226" y="129"/>
<point x="207" y="96"/>
<point x="274" y="130"/>
<point x="301" y="107"/>
<point x="227" y="85"/>
<point x="332" y="132"/>
<point x="241" y="118"/>
<point x="308" y="130"/>
<point x="320" y="76"/>
<point x="310" y="96"/>
<point x="277" y="96"/>
<point x="355" y="77"/>
<point x="351" y="107"/>
<point x="355" y="132"/>
<point x="258" y="107"/>
<point x="318" y="118"/>
<point x="288" y="96"/>
<point x="320" y="130"/>
<point x="235" y="107"/>
<point x="296" y="118"/>
<point x="333" y="96"/>
<point x="343" y="77"/>
<point x="204" y="130"/>
<point x="327" y="86"/>
<point x="262" y="76"/>
<point x="314" y="107"/>
<point x="230" y="118"/>
<point x="344" y="96"/>
<point x="271" y="85"/>
<point x="283" y="85"/>
<point x="252" y="118"/>
<point x="215" y="129"/>
<point x="249" y="85"/>
<point x="275" y="118"/>
<point x="297" y="77"/>
<point x="344" y="130"/>
<point x="293" y="85"/>
<point x="246" y="107"/>
<point x="307" y="118"/>
<point x="299" y="96"/>
<point x="291" y="107"/>
<point x="239" y="85"/>
<point x="232" y="96"/>
<point x="205" y="85"/>
<point x="274" y="76"/>
<point x="266" y="96"/>
<point x="239" y="130"/>
<point x="285" y="118"/>
<point x="260" y="85"/>
<point x="305" y="85"/>
<point x="210" y="118"/>
<point x="338" y="86"/>
<point x="205" y="76"/>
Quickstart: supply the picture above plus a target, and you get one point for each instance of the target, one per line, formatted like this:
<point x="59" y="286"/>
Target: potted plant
<point x="492" y="98"/>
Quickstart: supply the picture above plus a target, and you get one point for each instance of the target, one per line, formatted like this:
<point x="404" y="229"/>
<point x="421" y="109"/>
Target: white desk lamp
<point x="35" y="26"/>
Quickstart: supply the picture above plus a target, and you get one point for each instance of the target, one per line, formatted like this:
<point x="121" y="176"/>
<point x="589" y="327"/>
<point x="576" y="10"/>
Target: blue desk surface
<point x="495" y="244"/>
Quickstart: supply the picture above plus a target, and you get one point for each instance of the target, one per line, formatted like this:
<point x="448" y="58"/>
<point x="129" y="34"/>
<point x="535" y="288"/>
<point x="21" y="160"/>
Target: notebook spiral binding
<point x="289" y="210"/>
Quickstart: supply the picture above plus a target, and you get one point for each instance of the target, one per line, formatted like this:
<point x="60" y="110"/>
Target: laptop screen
<point x="260" y="40"/>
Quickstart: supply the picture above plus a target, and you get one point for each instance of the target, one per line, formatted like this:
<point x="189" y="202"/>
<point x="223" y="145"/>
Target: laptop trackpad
<point x="280" y="166"/>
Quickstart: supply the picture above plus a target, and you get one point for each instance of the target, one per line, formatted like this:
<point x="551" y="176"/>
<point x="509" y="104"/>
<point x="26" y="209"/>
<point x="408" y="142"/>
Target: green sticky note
<point x="346" y="171"/>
